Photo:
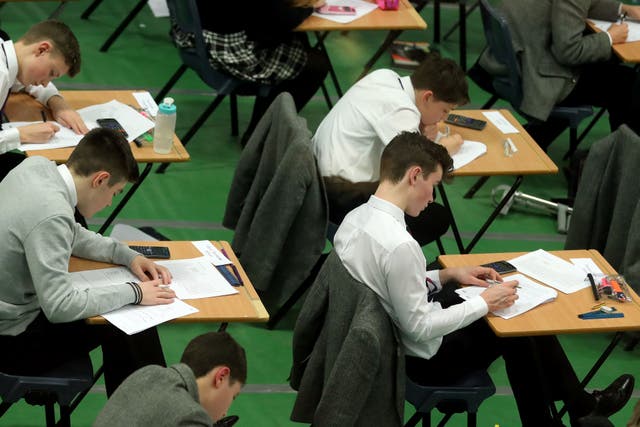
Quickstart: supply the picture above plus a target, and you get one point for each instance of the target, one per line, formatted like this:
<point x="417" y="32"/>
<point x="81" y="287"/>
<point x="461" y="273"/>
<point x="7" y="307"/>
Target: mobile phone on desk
<point x="329" y="9"/>
<point x="161" y="252"/>
<point x="111" y="123"/>
<point x="502" y="267"/>
<point x="467" y="122"/>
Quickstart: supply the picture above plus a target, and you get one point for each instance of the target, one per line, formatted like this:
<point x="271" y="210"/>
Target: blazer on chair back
<point x="347" y="365"/>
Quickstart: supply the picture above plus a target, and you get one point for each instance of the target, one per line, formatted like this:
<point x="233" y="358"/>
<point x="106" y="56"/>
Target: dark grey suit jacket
<point x="347" y="365"/>
<point x="548" y="37"/>
<point x="277" y="205"/>
<point x="606" y="212"/>
<point x="155" y="396"/>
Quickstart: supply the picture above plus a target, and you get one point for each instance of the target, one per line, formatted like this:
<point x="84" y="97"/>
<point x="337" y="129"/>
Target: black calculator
<point x="467" y="122"/>
<point x="152" y="251"/>
<point x="501" y="267"/>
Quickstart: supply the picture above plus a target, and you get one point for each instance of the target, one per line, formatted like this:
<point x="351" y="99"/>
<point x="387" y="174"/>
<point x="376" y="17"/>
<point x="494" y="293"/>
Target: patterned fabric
<point x="242" y="58"/>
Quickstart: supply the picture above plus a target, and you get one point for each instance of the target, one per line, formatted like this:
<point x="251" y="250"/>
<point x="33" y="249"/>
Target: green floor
<point x="188" y="201"/>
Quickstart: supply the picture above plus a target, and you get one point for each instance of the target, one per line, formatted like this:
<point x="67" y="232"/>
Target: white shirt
<point x="377" y="250"/>
<point x="10" y="138"/>
<point x="350" y="140"/>
<point x="64" y="172"/>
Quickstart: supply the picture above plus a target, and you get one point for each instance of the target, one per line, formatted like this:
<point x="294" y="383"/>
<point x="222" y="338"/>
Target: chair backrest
<point x="507" y="79"/>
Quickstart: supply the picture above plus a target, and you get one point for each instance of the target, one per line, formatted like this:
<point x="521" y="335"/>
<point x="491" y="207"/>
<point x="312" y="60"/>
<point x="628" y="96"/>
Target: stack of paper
<point x="469" y="151"/>
<point x="551" y="270"/>
<point x="530" y="294"/>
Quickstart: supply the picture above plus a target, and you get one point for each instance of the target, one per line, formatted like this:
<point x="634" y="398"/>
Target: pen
<point x="44" y="116"/>
<point x="164" y="286"/>
<point x="233" y="267"/>
<point x="594" y="289"/>
<point x="623" y="17"/>
<point x="138" y="142"/>
<point x="492" y="282"/>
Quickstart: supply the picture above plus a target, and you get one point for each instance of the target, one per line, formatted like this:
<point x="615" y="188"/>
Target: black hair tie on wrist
<point x="137" y="291"/>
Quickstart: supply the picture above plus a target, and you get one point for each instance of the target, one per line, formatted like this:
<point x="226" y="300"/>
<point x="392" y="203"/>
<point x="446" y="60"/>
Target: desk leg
<point x="223" y="326"/>
<point x="391" y="36"/>
<point x="454" y="226"/>
<point x="475" y="187"/>
<point x="332" y="72"/>
<point x="58" y="10"/>
<point x="88" y="11"/>
<point x="125" y="199"/>
<point x="462" y="9"/>
<point x="494" y="214"/>
<point x="125" y="22"/>
<point x="436" y="21"/>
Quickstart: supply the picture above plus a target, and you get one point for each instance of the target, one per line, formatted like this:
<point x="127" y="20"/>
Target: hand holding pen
<point x="619" y="31"/>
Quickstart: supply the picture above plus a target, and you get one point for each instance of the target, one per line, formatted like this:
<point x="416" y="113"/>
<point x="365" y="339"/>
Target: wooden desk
<point x="529" y="160"/>
<point x="22" y="107"/>
<point x="245" y="306"/>
<point x="395" y="21"/>
<point x="627" y="52"/>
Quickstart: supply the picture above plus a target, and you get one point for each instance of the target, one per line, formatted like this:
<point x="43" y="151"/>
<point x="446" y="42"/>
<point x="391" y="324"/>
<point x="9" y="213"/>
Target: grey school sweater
<point x="38" y="234"/>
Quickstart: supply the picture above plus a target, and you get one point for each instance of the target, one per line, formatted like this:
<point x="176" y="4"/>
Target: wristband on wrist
<point x="137" y="291"/>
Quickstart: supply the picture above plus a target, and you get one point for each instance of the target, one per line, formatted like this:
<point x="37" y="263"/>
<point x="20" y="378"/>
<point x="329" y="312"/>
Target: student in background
<point x="48" y="50"/>
<point x="198" y="391"/>
<point x="255" y="42"/>
<point x="41" y="312"/>
<point x="349" y="141"/>
<point x="445" y="338"/>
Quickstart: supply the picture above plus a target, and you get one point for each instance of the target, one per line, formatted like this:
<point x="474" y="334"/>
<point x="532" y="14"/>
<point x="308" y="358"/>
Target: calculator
<point x="467" y="122"/>
<point x="502" y="267"/>
<point x="152" y="251"/>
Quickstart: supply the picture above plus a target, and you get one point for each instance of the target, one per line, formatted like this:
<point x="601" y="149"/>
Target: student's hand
<point x="501" y="296"/>
<point x="154" y="292"/>
<point x="66" y="116"/>
<point x="37" y="133"/>
<point x="452" y="143"/>
<point x="319" y="3"/>
<point x="633" y="12"/>
<point x="146" y="269"/>
<point x="469" y="275"/>
<point x="618" y="32"/>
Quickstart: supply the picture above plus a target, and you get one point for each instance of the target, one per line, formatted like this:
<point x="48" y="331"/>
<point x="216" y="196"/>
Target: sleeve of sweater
<point x="90" y="245"/>
<point x="48" y="249"/>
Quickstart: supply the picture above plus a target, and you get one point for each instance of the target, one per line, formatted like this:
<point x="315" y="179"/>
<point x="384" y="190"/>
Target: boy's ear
<point x="426" y="95"/>
<point x="99" y="178"/>
<point x="220" y="375"/>
<point x="43" y="47"/>
<point x="413" y="173"/>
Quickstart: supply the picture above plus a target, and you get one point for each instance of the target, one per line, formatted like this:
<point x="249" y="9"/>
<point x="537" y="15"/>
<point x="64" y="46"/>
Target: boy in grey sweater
<point x="41" y="313"/>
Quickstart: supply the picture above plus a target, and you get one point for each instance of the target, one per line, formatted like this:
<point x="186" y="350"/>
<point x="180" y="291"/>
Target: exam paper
<point x="469" y="151"/>
<point x="211" y="252"/>
<point x="65" y="137"/>
<point x="361" y="7"/>
<point x="530" y="293"/>
<point x="551" y="270"/>
<point x="136" y="318"/>
<point x="500" y="121"/>
<point x="634" y="28"/>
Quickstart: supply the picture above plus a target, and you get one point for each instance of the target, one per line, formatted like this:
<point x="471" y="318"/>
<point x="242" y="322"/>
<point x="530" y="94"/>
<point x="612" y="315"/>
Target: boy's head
<point x="419" y="164"/>
<point x="101" y="165"/>
<point x="440" y="86"/>
<point x="220" y="367"/>
<point x="47" y="51"/>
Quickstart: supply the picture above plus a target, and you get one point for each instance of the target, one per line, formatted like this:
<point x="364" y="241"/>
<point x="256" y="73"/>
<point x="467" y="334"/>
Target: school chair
<point x="66" y="385"/>
<point x="278" y="208"/>
<point x="466" y="396"/>
<point x="184" y="13"/>
<point x="347" y="367"/>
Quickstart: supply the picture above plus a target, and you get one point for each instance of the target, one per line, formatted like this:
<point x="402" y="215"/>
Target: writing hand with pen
<point x="498" y="295"/>
<point x="451" y="141"/>
<point x="155" y="291"/>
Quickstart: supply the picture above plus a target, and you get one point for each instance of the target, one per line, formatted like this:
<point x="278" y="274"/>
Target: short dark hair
<point x="206" y="351"/>
<point x="61" y="37"/>
<point x="104" y="150"/>
<point x="409" y="149"/>
<point x="443" y="77"/>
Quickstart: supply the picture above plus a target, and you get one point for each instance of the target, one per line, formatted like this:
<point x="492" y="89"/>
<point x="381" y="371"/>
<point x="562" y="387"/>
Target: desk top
<point x="405" y="18"/>
<point x="24" y="108"/>
<point x="245" y="306"/>
<point x="627" y="52"/>
<point x="561" y="315"/>
<point x="529" y="160"/>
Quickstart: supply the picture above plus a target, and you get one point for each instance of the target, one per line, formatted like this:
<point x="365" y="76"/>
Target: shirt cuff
<point x="10" y="140"/>
<point x="478" y="305"/>
<point x="610" y="39"/>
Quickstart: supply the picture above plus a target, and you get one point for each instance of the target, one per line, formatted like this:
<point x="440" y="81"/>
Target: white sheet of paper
<point x="361" y="7"/>
<point x="500" y="121"/>
<point x="65" y="137"/>
<point x="469" y="151"/>
<point x="159" y="8"/>
<point x="197" y="278"/>
<point x="551" y="270"/>
<point x="211" y="252"/>
<point x="530" y="293"/>
<point x="132" y="121"/>
<point x="146" y="102"/>
<point x="135" y="318"/>
<point x="634" y="28"/>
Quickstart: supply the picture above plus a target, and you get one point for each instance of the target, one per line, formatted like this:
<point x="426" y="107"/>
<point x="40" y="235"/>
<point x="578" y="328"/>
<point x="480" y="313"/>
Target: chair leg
<point x="445" y="419"/>
<point x="4" y="407"/>
<point x="327" y="98"/>
<point x="440" y="247"/>
<point x="50" y="414"/>
<point x="172" y="81"/>
<point x="573" y="143"/>
<point x="233" y="104"/>
<point x="472" y="419"/>
<point x="475" y="187"/>
<point x="65" y="417"/>
<point x="203" y="117"/>
<point x="413" y="421"/>
<point x="490" y="102"/>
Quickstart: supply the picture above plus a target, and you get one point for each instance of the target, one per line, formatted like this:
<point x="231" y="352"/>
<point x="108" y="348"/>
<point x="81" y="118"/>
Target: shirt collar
<point x="68" y="180"/>
<point x="12" y="60"/>
<point x="389" y="208"/>
<point x="407" y="86"/>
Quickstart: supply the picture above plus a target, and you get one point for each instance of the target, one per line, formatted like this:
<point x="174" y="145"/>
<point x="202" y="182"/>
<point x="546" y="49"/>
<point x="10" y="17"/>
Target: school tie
<point x="432" y="287"/>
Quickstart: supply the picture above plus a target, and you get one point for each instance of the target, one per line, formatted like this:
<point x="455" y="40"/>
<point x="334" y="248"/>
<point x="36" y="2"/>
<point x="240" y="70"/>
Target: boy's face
<point x="422" y="191"/>
<point x="431" y="109"/>
<point x="218" y="406"/>
<point x="42" y="65"/>
<point x="100" y="195"/>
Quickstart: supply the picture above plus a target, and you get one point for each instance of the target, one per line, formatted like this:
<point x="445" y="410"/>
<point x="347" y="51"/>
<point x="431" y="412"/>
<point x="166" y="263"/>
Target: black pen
<point x="594" y="289"/>
<point x="623" y="17"/>
<point x="44" y="116"/>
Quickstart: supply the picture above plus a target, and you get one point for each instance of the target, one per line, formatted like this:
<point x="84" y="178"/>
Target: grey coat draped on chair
<point x="606" y="212"/>
<point x="277" y="205"/>
<point x="347" y="365"/>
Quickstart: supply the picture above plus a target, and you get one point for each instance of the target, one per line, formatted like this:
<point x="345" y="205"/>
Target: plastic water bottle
<point x="165" y="127"/>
